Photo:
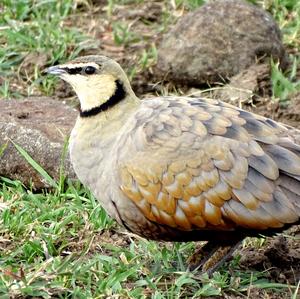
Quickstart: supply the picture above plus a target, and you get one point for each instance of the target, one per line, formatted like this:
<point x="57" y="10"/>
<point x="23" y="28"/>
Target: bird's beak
<point x="55" y="70"/>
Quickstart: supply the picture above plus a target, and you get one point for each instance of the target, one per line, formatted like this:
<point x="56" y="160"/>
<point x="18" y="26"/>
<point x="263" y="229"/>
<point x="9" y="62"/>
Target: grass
<point x="33" y="36"/>
<point x="59" y="243"/>
<point x="284" y="84"/>
<point x="287" y="15"/>
<point x="62" y="244"/>
<point x="123" y="35"/>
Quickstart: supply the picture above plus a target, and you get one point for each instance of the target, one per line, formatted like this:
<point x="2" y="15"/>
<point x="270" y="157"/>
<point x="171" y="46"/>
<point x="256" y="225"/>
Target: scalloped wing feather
<point x="200" y="164"/>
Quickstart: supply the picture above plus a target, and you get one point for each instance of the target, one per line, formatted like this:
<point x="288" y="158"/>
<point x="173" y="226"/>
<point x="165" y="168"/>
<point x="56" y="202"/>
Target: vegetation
<point x="60" y="243"/>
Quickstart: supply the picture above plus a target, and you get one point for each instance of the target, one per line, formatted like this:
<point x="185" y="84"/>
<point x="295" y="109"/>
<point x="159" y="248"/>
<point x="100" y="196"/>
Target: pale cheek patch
<point x="92" y="90"/>
<point x="76" y="81"/>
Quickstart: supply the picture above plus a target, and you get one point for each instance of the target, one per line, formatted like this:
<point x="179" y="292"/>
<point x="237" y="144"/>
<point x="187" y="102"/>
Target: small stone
<point x="249" y="86"/>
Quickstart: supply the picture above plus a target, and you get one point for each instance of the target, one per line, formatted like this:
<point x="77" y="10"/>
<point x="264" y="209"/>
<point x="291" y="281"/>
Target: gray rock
<point x="249" y="86"/>
<point x="217" y="41"/>
<point x="41" y="127"/>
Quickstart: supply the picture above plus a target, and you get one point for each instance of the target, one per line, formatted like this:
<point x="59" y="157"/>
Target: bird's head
<point x="98" y="81"/>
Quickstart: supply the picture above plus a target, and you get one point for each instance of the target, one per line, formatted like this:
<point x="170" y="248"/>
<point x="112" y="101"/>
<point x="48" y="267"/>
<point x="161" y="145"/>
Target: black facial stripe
<point x="73" y="71"/>
<point x="117" y="97"/>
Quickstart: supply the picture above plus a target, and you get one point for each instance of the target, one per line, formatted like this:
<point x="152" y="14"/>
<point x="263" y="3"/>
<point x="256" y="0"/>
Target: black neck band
<point x="117" y="97"/>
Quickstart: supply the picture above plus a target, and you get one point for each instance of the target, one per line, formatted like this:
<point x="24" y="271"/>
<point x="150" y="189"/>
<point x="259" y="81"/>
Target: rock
<point x="249" y="86"/>
<point x="40" y="126"/>
<point x="218" y="41"/>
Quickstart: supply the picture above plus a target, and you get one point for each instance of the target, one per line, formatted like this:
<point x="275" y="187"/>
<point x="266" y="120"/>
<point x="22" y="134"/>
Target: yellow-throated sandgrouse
<point x="180" y="168"/>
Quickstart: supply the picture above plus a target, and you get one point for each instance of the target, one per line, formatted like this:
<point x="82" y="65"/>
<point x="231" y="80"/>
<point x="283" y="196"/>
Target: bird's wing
<point x="198" y="164"/>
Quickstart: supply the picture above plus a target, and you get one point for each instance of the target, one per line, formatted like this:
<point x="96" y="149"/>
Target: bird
<point x="179" y="168"/>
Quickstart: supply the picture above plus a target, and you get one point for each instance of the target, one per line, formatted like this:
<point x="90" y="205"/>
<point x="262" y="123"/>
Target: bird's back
<point x="194" y="167"/>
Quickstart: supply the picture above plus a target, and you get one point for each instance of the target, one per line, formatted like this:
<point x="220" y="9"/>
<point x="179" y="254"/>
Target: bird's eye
<point x="89" y="70"/>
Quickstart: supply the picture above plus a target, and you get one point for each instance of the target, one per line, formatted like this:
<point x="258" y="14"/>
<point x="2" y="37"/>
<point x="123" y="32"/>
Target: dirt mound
<point x="280" y="256"/>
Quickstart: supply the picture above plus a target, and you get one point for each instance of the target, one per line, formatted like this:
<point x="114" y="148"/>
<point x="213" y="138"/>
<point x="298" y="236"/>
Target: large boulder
<point x="217" y="41"/>
<point x="41" y="127"/>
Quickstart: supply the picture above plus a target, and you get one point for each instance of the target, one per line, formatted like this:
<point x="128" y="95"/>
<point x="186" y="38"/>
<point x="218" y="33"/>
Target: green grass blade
<point x="295" y="295"/>
<point x="36" y="166"/>
<point x="2" y="148"/>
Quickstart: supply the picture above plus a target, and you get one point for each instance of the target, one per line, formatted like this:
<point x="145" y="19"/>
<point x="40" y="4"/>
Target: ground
<point x="59" y="243"/>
